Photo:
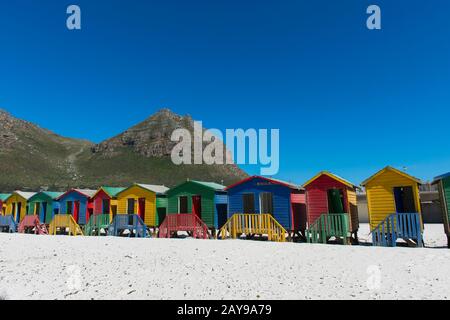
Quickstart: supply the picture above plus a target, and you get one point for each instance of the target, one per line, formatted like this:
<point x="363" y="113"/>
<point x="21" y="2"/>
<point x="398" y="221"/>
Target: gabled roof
<point x="441" y="177"/>
<point x="25" y="195"/>
<point x="50" y="194"/>
<point x="275" y="181"/>
<point x="332" y="176"/>
<point x="158" y="189"/>
<point x="112" y="192"/>
<point x="4" y="196"/>
<point x="389" y="168"/>
<point x="88" y="193"/>
<point x="210" y="185"/>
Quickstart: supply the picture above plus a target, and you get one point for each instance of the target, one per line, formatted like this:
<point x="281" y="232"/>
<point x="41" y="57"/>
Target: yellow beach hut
<point x="140" y="199"/>
<point x="17" y="204"/>
<point x="394" y="203"/>
<point x="3" y="197"/>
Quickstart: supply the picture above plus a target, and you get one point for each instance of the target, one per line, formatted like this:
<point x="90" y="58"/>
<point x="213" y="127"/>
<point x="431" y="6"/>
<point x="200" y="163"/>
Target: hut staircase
<point x="8" y="224"/>
<point x="32" y="224"/>
<point x="96" y="224"/>
<point x="328" y="226"/>
<point x="405" y="226"/>
<point x="63" y="223"/>
<point x="251" y="225"/>
<point x="128" y="222"/>
<point x="183" y="222"/>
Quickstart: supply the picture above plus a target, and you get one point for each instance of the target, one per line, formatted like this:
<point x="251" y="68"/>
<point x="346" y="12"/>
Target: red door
<point x="197" y="206"/>
<point x="142" y="209"/>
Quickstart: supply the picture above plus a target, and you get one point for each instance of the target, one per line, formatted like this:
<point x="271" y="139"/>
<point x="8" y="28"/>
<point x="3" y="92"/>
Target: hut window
<point x="266" y="200"/>
<point x="183" y="205"/>
<point x="131" y="203"/>
<point x="248" y="203"/>
<point x="404" y="200"/>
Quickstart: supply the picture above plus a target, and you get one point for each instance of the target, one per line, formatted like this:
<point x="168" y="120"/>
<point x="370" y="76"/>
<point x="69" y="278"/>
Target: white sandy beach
<point x="47" y="267"/>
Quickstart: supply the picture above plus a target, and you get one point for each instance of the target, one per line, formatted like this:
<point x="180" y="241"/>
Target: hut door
<point x="404" y="200"/>
<point x="90" y="212"/>
<point x="37" y="209"/>
<point x="248" y="203"/>
<point x="161" y="211"/>
<point x="197" y="206"/>
<point x="222" y="211"/>
<point x="44" y="212"/>
<point x="76" y="211"/>
<point x="182" y="205"/>
<point x="105" y="206"/>
<point x="19" y="209"/>
<point x="142" y="209"/>
<point x="336" y="201"/>
<point x="114" y="211"/>
<point x="266" y="203"/>
<point x="130" y="207"/>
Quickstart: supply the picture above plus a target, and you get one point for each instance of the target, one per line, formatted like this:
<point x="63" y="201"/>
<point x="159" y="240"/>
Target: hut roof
<point x="441" y="177"/>
<point x="50" y="194"/>
<point x="88" y="193"/>
<point x="110" y="191"/>
<point x="332" y="176"/>
<point x="158" y="189"/>
<point x="210" y="185"/>
<point x="4" y="196"/>
<point x="275" y="181"/>
<point x="389" y="168"/>
<point x="25" y="195"/>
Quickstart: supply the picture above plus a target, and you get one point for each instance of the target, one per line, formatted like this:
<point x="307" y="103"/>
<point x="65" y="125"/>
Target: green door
<point x="335" y="201"/>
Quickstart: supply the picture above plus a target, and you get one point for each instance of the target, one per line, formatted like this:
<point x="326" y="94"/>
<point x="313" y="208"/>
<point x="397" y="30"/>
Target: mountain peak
<point x="164" y="112"/>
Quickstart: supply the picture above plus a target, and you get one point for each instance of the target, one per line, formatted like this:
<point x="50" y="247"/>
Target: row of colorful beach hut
<point x="324" y="209"/>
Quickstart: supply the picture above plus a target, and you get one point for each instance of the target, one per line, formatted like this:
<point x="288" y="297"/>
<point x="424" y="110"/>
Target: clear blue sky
<point x="346" y="99"/>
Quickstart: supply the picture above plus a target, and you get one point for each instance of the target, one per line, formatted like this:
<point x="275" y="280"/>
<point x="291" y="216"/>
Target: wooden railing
<point x="62" y="222"/>
<point x="8" y="224"/>
<point x="96" y="223"/>
<point x="329" y="225"/>
<point x="183" y="222"/>
<point x="253" y="224"/>
<point x="131" y="222"/>
<point x="406" y="226"/>
<point x="32" y="223"/>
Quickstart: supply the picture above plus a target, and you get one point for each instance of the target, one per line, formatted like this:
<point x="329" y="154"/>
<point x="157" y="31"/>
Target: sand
<point x="58" y="267"/>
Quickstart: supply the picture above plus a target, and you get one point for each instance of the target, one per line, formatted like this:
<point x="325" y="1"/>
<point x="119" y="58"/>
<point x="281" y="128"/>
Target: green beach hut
<point x="44" y="205"/>
<point x="206" y="200"/>
<point x="443" y="183"/>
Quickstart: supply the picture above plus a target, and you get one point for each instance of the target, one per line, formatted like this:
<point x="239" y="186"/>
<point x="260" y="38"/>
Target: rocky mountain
<point x="33" y="158"/>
